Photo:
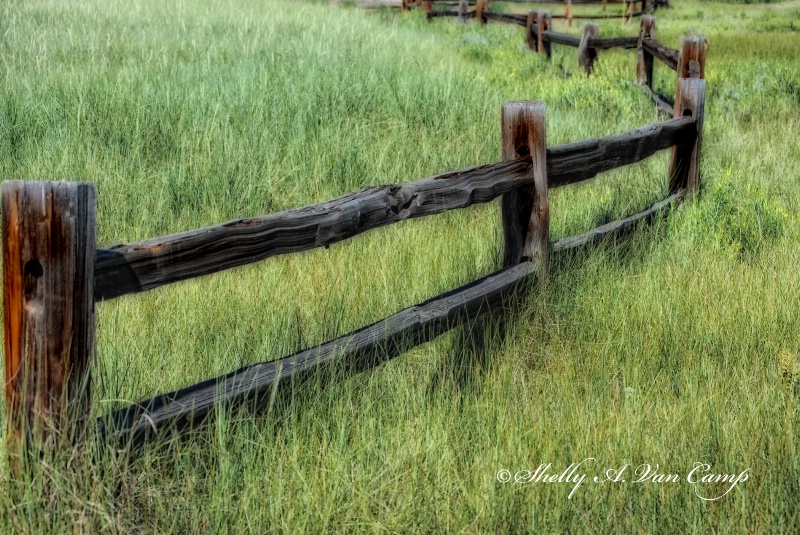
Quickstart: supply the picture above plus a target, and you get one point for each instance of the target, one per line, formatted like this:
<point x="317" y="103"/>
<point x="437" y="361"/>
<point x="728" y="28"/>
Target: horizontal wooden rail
<point x="586" y="159"/>
<point x="615" y="228"/>
<point x="520" y="20"/>
<point x="606" y="43"/>
<point x="358" y="351"/>
<point x="148" y="264"/>
<point x="669" y="56"/>
<point x="662" y="102"/>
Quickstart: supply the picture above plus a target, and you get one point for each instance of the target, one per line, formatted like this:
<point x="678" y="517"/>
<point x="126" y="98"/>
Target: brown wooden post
<point x="525" y="211"/>
<point x="479" y="7"/>
<point x="544" y="23"/>
<point x="48" y="301"/>
<point x="691" y="61"/>
<point x="586" y="54"/>
<point x="644" y="59"/>
<point x="631" y="10"/>
<point x="403" y="6"/>
<point x="532" y="38"/>
<point x="684" y="168"/>
<point x="569" y="13"/>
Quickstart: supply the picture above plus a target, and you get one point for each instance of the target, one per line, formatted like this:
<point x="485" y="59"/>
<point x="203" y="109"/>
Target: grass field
<point x="681" y="345"/>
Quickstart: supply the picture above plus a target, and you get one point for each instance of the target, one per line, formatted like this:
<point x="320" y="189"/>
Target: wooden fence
<point x="53" y="273"/>
<point x="629" y="7"/>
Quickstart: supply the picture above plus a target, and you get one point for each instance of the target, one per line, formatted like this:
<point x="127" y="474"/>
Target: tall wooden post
<point x="631" y="10"/>
<point x="569" y="13"/>
<point x="644" y="59"/>
<point x="463" y="6"/>
<point x="48" y="301"/>
<point x="544" y="23"/>
<point x="586" y="54"/>
<point x="479" y="7"/>
<point x="684" y="168"/>
<point x="605" y="3"/>
<point x="691" y="62"/>
<point x="532" y="35"/>
<point x="526" y="218"/>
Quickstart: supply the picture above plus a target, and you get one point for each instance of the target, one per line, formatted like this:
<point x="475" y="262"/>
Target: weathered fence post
<point x="525" y="211"/>
<point x="644" y="59"/>
<point x="631" y="10"/>
<point x="48" y="301"/>
<point x="586" y="54"/>
<point x="463" y="6"/>
<point x="569" y="13"/>
<point x="544" y="23"/>
<point x="532" y="38"/>
<point x="605" y="3"/>
<point x="684" y="168"/>
<point x="479" y="7"/>
<point x="691" y="62"/>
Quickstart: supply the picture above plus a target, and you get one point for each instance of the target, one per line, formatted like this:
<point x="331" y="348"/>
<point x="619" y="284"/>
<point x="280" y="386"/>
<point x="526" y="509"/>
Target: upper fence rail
<point x="148" y="264"/>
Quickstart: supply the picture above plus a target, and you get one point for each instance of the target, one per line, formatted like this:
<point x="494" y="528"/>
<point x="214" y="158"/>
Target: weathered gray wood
<point x="667" y="55"/>
<point x="355" y="352"/>
<point x="661" y="101"/>
<point x="586" y="54"/>
<point x="615" y="228"/>
<point x="521" y="20"/>
<point x="691" y="62"/>
<point x="606" y="43"/>
<point x="684" y="170"/>
<point x="48" y="301"/>
<point x="559" y="38"/>
<point x="525" y="210"/>
<point x="148" y="264"/>
<point x="568" y="164"/>
<point x="644" y="59"/>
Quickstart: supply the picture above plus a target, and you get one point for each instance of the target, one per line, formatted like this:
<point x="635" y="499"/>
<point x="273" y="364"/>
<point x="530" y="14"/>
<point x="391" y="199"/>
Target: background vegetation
<point x="679" y="345"/>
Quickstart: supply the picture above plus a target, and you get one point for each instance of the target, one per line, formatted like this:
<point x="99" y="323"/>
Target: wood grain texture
<point x="568" y="164"/>
<point x="525" y="211"/>
<point x="691" y="62"/>
<point x="615" y="228"/>
<point x="586" y="54"/>
<point x="544" y="23"/>
<point x="148" y="264"/>
<point x="48" y="301"/>
<point x="684" y="169"/>
<point x="531" y="37"/>
<point x="358" y="351"/>
<point x="644" y="58"/>
<point x="668" y="56"/>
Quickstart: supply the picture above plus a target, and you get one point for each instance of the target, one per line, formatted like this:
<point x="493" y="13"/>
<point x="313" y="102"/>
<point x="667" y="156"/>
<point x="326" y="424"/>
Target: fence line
<point x="53" y="273"/>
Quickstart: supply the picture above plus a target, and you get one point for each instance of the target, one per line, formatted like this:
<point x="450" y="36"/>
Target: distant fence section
<point x="53" y="273"/>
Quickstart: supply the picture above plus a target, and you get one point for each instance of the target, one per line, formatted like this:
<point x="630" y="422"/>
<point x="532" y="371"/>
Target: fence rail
<point x="53" y="273"/>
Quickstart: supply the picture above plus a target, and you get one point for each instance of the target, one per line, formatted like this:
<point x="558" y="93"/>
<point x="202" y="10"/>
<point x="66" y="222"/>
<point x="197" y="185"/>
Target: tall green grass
<point x="679" y="345"/>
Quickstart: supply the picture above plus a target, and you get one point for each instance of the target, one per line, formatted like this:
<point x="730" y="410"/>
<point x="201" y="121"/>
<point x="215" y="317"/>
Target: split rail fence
<point x="53" y="273"/>
<point x="628" y="12"/>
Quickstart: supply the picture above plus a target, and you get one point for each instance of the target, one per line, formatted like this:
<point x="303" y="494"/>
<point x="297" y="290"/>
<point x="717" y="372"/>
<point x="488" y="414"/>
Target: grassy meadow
<point x="679" y="345"/>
